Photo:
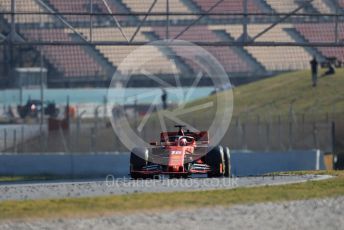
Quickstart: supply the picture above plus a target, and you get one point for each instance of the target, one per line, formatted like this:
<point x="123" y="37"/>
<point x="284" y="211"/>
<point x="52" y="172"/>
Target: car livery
<point x="180" y="154"/>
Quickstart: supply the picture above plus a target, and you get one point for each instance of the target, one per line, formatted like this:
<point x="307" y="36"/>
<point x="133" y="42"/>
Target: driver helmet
<point x="183" y="142"/>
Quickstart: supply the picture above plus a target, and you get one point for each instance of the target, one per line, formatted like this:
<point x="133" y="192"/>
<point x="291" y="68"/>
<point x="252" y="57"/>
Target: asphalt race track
<point x="116" y="186"/>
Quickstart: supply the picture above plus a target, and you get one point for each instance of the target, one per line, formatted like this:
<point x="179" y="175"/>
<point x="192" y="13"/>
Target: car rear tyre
<point x="138" y="159"/>
<point x="215" y="159"/>
<point x="227" y="164"/>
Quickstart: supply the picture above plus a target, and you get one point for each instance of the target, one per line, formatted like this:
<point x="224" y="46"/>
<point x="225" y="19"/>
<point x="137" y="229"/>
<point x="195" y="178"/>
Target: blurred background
<point x="58" y="57"/>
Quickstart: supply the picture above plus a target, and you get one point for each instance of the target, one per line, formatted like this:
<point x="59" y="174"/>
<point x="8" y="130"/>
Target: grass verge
<point x="273" y="97"/>
<point x="15" y="179"/>
<point x="58" y="208"/>
<point x="24" y="178"/>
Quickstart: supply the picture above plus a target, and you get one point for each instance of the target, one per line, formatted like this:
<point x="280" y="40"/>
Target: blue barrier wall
<point x="65" y="164"/>
<point x="257" y="163"/>
<point x="243" y="163"/>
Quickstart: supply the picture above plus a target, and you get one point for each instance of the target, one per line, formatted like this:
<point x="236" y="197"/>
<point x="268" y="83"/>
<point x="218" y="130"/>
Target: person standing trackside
<point x="314" y="67"/>
<point x="164" y="98"/>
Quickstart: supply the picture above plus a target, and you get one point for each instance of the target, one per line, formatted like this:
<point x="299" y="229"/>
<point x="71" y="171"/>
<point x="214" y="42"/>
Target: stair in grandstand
<point x="257" y="66"/>
<point x="47" y="6"/>
<point x="2" y="66"/>
<point x="333" y="5"/>
<point x="206" y="19"/>
<point x="316" y="7"/>
<point x="124" y="9"/>
<point x="260" y="6"/>
<point x="104" y="61"/>
<point x="185" y="68"/>
<point x="95" y="54"/>
<point x="19" y="53"/>
<point x="53" y="69"/>
<point x="48" y="3"/>
<point x="265" y="6"/>
<point x="5" y="61"/>
<point x="309" y="8"/>
<point x="192" y="6"/>
<point x="298" y="37"/>
<point x="4" y="26"/>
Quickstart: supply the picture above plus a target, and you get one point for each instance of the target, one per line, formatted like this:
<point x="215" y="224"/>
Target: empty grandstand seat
<point x="233" y="6"/>
<point x="117" y="54"/>
<point x="322" y="6"/>
<point x="323" y="32"/>
<point x="83" y="6"/>
<point x="284" y="6"/>
<point x="287" y="6"/>
<point x="175" y="6"/>
<point x="25" y="6"/>
<point x="229" y="59"/>
<point x="71" y="61"/>
<point x="341" y="3"/>
<point x="272" y="58"/>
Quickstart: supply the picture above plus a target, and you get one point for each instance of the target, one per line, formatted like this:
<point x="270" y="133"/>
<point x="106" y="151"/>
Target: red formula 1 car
<point x="180" y="154"/>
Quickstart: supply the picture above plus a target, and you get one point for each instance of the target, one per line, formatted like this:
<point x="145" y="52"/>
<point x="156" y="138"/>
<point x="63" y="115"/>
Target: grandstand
<point x="285" y="6"/>
<point x="82" y="6"/>
<point x="323" y="32"/>
<point x="176" y="6"/>
<point x="230" y="60"/>
<point x="70" y="61"/>
<point x="25" y="6"/>
<point x="341" y="3"/>
<point x="273" y="59"/>
<point x="93" y="64"/>
<point x="116" y="54"/>
<point x="228" y="6"/>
